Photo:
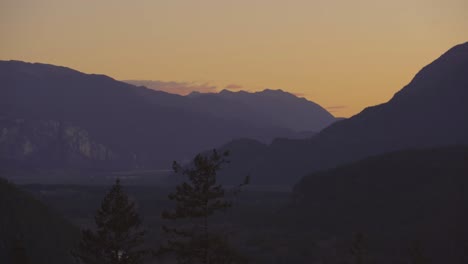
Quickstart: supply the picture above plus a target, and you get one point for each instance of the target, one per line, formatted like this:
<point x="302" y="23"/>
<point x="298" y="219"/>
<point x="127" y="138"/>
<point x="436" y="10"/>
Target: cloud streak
<point x="182" y="88"/>
<point x="233" y="87"/>
<point x="336" y="108"/>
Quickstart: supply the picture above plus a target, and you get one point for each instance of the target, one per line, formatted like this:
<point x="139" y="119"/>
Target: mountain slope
<point x="395" y="199"/>
<point x="267" y="107"/>
<point x="278" y="107"/>
<point x="430" y="111"/>
<point x="24" y="221"/>
<point x="214" y="106"/>
<point x="117" y="125"/>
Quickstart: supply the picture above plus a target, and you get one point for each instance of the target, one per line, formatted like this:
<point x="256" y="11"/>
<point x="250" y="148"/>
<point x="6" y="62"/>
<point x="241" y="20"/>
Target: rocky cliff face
<point x="51" y="143"/>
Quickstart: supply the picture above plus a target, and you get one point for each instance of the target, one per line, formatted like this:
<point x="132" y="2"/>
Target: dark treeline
<point x="412" y="212"/>
<point x="189" y="238"/>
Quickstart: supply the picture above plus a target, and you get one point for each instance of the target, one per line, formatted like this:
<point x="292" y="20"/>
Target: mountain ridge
<point x="433" y="115"/>
<point x="141" y="127"/>
<point x="393" y="198"/>
<point x="266" y="106"/>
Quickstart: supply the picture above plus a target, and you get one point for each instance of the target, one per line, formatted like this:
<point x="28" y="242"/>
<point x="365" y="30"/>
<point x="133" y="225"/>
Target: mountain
<point x="26" y="223"/>
<point x="430" y="111"/>
<point x="267" y="107"/>
<point x="217" y="107"/>
<point x="53" y="116"/>
<point x="278" y="107"/>
<point x="394" y="199"/>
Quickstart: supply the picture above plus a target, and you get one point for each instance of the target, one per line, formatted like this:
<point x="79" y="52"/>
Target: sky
<point x="344" y="55"/>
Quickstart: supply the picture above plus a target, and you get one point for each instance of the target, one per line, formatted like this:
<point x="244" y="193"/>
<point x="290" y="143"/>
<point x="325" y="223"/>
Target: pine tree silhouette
<point x="196" y="200"/>
<point x="118" y="238"/>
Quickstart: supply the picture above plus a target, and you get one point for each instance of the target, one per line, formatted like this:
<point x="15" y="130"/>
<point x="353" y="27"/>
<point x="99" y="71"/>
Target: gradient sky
<point x="344" y="55"/>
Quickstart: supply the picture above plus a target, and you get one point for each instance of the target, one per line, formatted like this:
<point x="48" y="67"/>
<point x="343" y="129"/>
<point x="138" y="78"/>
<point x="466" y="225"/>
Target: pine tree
<point x="196" y="200"/>
<point x="118" y="238"/>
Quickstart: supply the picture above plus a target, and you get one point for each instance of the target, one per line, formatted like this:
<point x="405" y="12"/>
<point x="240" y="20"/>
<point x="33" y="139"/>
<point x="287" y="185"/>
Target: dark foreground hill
<point x="430" y="111"/>
<point x="57" y="117"/>
<point x="395" y="199"/>
<point x="45" y="237"/>
<point x="399" y="201"/>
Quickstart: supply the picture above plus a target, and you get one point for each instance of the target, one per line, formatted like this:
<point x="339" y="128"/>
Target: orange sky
<point x="344" y="55"/>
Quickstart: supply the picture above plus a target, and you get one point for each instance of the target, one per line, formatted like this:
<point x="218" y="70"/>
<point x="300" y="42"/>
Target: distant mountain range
<point x="56" y="117"/>
<point x="268" y="108"/>
<point x="432" y="110"/>
<point x="275" y="106"/>
<point x="53" y="116"/>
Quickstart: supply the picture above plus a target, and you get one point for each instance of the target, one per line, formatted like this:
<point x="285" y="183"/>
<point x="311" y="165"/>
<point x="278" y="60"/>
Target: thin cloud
<point x="233" y="87"/>
<point x="182" y="88"/>
<point x="336" y="108"/>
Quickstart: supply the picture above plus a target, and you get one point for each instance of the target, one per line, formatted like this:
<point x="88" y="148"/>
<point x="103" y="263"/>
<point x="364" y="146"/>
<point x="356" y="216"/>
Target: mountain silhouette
<point x="278" y="107"/>
<point x="267" y="107"/>
<point x="396" y="198"/>
<point x="430" y="111"/>
<point x="57" y="117"/>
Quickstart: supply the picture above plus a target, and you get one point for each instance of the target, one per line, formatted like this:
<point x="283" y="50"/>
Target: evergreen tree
<point x="192" y="241"/>
<point x="118" y="238"/>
